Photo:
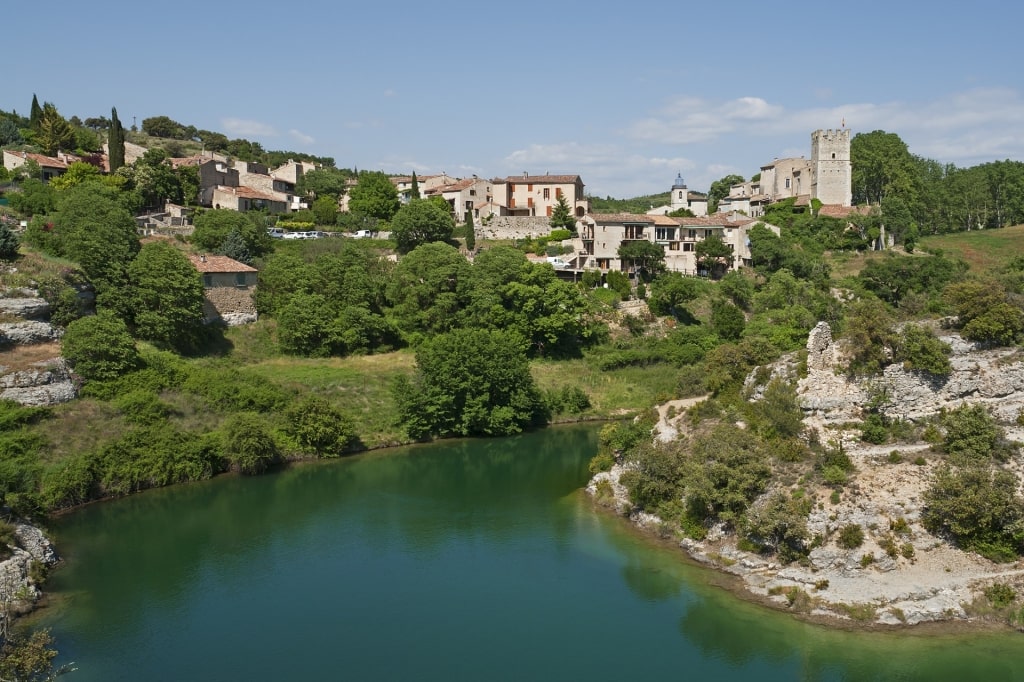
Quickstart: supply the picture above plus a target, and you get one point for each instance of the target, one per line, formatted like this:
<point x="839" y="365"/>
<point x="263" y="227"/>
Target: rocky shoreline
<point x="928" y="580"/>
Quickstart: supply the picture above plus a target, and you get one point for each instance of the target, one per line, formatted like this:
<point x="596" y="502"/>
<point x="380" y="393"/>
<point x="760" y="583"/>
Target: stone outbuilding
<point x="230" y="288"/>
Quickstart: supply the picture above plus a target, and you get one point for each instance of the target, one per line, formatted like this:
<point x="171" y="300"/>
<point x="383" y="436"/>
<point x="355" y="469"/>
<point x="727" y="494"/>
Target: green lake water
<point x="470" y="560"/>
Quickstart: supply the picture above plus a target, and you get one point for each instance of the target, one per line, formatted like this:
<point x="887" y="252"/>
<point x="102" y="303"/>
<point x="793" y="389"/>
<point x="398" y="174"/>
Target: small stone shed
<point x="230" y="288"/>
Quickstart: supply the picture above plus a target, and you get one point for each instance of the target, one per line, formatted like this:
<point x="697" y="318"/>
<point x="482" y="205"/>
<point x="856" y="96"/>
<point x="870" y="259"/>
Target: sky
<point x="626" y="95"/>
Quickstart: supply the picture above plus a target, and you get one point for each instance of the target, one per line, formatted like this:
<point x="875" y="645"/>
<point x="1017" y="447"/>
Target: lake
<point x="462" y="560"/>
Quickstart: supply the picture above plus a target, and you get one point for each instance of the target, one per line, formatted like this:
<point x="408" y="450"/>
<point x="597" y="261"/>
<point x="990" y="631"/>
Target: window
<point x="680" y="194"/>
<point x="787" y="183"/>
<point x="558" y="192"/>
<point x="547" y="193"/>
<point x="693" y="234"/>
<point x="472" y="192"/>
<point x="240" y="279"/>
<point x="673" y="246"/>
<point x="207" y="281"/>
<point x="548" y="209"/>
<point x="529" y="187"/>
<point x="664" y="234"/>
<point x="687" y="246"/>
<point x="634" y="232"/>
<point x="469" y="205"/>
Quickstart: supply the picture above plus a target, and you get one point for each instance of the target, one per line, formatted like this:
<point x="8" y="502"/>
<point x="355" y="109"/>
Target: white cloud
<point x="246" y="128"/>
<point x="301" y="137"/>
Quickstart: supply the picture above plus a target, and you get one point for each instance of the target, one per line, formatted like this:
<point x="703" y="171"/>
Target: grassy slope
<point x="982" y="249"/>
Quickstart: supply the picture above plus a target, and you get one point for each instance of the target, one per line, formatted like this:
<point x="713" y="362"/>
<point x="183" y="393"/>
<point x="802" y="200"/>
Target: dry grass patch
<point x="19" y="358"/>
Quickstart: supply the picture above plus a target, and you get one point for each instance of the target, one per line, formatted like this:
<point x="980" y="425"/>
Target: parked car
<point x="362" y="234"/>
<point x="294" y="235"/>
<point x="276" y="232"/>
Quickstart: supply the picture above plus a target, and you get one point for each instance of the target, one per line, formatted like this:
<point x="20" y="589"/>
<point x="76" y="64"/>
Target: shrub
<point x="1000" y="595"/>
<point x="141" y="407"/>
<point x="851" y="536"/>
<point x="99" y="347"/>
<point x="602" y="461"/>
<point x="907" y="550"/>
<point x="321" y="428"/>
<point x="249" y="444"/>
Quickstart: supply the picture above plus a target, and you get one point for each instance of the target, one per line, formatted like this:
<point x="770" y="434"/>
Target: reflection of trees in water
<point x="748" y="636"/>
<point x="150" y="545"/>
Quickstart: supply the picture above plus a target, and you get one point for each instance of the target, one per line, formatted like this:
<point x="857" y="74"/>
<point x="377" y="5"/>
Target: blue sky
<point x="627" y="95"/>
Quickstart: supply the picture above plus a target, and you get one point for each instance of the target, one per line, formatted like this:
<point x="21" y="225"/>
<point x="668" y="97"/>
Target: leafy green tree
<point x="727" y="320"/>
<point x="374" y="196"/>
<point x="893" y="277"/>
<point x="972" y="436"/>
<point x="166" y="293"/>
<point x="720" y="189"/>
<point x="647" y="257"/>
<point x="95" y="230"/>
<point x="420" y="222"/>
<point x="714" y="255"/>
<point x="778" y="525"/>
<point x="739" y="287"/>
<point x="35" y="198"/>
<point x="213" y="227"/>
<point x="918" y="349"/>
<point x="325" y="208"/>
<point x="115" y="142"/>
<point x="671" y="292"/>
<point x="429" y="290"/>
<point x="561" y="216"/>
<point x="10" y="134"/>
<point x="99" y="347"/>
<point x="162" y="126"/>
<point x="77" y="173"/>
<point x="54" y="133"/>
<point x="882" y="167"/>
<point x="320" y="427"/>
<point x="323" y="182"/>
<point x="470" y="382"/>
<point x="868" y="326"/>
<point x="985" y="312"/>
<point x="235" y="247"/>
<point x="30" y="658"/>
<point x="305" y="326"/>
<point x="779" y="410"/>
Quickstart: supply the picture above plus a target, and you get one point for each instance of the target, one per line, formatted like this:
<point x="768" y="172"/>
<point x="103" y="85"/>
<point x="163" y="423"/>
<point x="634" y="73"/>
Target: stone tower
<point x="831" y="179"/>
<point x="678" y="199"/>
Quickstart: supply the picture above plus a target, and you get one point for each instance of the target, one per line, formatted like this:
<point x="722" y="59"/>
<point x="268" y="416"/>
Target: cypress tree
<point x="415" y="191"/>
<point x="36" y="115"/>
<point x="470" y="232"/>
<point x="115" y="142"/>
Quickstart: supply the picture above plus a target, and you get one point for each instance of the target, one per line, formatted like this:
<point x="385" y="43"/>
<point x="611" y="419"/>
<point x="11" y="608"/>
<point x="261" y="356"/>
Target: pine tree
<point x="415" y="191"/>
<point x="54" y="132"/>
<point x="115" y="142"/>
<point x="36" y="115"/>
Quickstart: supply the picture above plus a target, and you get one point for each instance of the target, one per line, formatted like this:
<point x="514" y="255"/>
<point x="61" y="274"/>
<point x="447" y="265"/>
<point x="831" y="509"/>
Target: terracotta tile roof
<point x="248" y="193"/>
<point x="837" y="211"/>
<point x="664" y="220"/>
<point x="453" y="187"/>
<point x="542" y="179"/>
<point x="205" y="263"/>
<point x="609" y="218"/>
<point x="44" y="161"/>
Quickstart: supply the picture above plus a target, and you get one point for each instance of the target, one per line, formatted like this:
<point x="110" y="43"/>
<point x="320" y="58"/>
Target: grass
<point x="612" y="393"/>
<point x="983" y="250"/>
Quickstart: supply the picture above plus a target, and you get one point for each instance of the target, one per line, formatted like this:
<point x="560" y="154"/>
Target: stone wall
<point x="230" y="304"/>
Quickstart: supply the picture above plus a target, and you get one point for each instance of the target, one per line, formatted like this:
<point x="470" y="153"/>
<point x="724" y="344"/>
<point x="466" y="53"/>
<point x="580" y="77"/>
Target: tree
<point x="470" y="232"/>
<point x="249" y="444"/>
<point x="322" y="182"/>
<point x="671" y="292"/>
<point x="647" y="257"/>
<point x="561" y="216"/>
<point x="470" y="382"/>
<point x="9" y="132"/>
<point x="115" y="142"/>
<point x="414" y="191"/>
<point x="36" y="114"/>
<point x="99" y="347"/>
<point x="54" y="133"/>
<point x="882" y="167"/>
<point x="166" y="296"/>
<point x="30" y="659"/>
<point x="727" y="320"/>
<point x="421" y="221"/>
<point x="162" y="126"/>
<point x="720" y="189"/>
<point x="374" y="196"/>
<point x="325" y="208"/>
<point x="429" y="290"/>
<point x="8" y="243"/>
<point x="77" y="173"/>
<point x="714" y="255"/>
<point x="213" y="227"/>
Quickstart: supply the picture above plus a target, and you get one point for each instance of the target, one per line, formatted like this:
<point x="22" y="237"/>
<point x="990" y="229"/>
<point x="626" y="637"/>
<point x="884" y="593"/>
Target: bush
<point x="1000" y="595"/>
<point x="321" y="428"/>
<point x="567" y="400"/>
<point x="851" y="536"/>
<point x="99" y="347"/>
<point x="249" y="444"/>
<point x="141" y="407"/>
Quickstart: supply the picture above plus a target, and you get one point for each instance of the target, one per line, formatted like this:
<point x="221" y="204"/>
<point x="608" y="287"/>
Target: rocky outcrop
<point x="901" y="574"/>
<point x="34" y="308"/>
<point x="21" y="572"/>
<point x="27" y="333"/>
<point x="47" y="383"/>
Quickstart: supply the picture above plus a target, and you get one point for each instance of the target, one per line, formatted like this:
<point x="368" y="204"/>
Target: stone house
<point x="681" y="197"/>
<point x="426" y="183"/>
<point x="229" y="288"/>
<point x="51" y="167"/>
<point x="472" y="195"/>
<point x="600" y="236"/>
<point x="537" y="195"/>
